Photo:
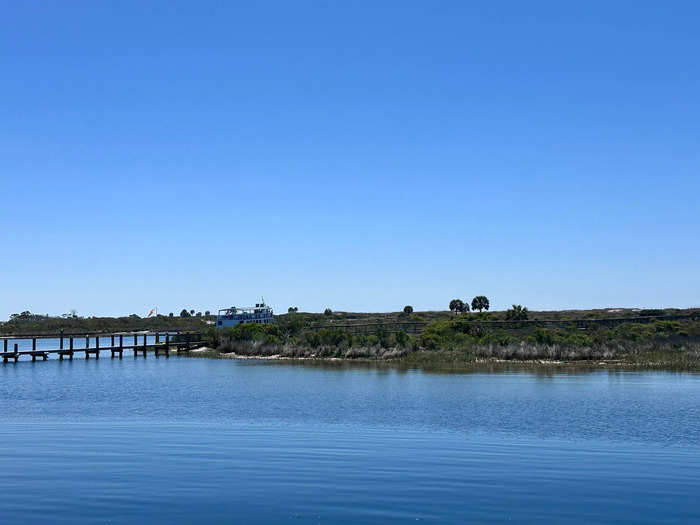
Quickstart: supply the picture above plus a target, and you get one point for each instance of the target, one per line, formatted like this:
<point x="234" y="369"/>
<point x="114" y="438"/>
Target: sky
<point x="354" y="155"/>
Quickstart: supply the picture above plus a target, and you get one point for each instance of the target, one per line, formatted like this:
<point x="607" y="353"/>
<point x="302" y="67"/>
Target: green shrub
<point x="431" y="341"/>
<point x="650" y="312"/>
<point x="312" y="339"/>
<point x="576" y="339"/>
<point x="372" y="340"/>
<point x="333" y="337"/>
<point x="543" y="336"/>
<point x="401" y="338"/>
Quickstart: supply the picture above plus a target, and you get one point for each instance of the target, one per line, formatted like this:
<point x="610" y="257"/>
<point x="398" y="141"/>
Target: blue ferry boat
<point x="260" y="313"/>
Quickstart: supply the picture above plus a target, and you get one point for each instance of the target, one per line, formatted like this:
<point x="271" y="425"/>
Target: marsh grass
<point x="649" y="355"/>
<point x="488" y="358"/>
<point x="296" y="350"/>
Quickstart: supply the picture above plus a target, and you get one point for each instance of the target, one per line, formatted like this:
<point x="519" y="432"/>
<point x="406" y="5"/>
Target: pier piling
<point x="6" y="356"/>
<point x="62" y="353"/>
<point x="120" y="350"/>
<point x="165" y="348"/>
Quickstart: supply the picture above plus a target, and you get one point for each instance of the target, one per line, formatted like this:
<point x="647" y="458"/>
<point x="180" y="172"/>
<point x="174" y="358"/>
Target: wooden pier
<point x="162" y="343"/>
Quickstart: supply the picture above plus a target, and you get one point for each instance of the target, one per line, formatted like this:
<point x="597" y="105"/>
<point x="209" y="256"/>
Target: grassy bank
<point x="649" y="355"/>
<point x="642" y="356"/>
<point x="464" y="340"/>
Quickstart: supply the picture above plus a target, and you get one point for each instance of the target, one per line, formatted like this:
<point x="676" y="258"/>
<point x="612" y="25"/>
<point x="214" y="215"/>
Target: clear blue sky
<point x="356" y="155"/>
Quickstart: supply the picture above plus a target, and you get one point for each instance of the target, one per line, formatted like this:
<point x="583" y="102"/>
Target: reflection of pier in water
<point x="161" y="343"/>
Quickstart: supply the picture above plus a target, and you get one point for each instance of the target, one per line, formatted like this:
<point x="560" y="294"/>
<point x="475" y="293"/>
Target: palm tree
<point x="456" y="305"/>
<point x="480" y="302"/>
<point x="517" y="313"/>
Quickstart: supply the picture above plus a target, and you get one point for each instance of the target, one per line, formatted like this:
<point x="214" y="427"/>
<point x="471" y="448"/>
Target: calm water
<point x="185" y="440"/>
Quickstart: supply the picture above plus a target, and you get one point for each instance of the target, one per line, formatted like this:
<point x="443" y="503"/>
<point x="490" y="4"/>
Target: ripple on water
<point x="183" y="440"/>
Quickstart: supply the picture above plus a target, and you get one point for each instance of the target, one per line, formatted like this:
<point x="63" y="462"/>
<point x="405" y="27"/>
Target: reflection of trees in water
<point x="537" y="369"/>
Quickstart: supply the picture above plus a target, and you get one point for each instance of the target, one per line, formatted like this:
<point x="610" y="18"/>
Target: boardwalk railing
<point x="161" y="342"/>
<point x="413" y="327"/>
<point x="416" y="327"/>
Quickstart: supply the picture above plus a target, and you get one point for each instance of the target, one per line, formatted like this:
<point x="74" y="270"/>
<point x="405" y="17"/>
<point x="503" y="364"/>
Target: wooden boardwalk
<point x="163" y="343"/>
<point x="410" y="327"/>
<point x="417" y="327"/>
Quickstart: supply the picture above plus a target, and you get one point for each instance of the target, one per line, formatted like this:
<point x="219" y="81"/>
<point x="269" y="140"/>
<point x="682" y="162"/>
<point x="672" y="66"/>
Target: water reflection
<point x="540" y="369"/>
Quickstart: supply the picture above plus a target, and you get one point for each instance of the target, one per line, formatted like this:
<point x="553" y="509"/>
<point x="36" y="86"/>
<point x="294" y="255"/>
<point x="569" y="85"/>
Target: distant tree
<point x="199" y="314"/>
<point x="292" y="310"/>
<point x="480" y="302"/>
<point x="328" y="311"/>
<point x="191" y="312"/>
<point x="408" y="309"/>
<point x="135" y="316"/>
<point x="171" y="314"/>
<point x="457" y="305"/>
<point x="184" y="313"/>
<point x="517" y="313"/>
<point x="207" y="313"/>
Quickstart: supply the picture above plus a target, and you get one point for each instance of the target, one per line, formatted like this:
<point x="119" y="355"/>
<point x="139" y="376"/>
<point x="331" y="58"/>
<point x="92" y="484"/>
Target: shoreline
<point x="440" y="362"/>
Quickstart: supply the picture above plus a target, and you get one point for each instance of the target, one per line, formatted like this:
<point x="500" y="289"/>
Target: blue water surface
<point x="188" y="440"/>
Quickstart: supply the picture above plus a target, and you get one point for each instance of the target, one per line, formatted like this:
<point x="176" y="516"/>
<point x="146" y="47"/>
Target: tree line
<point x="185" y="313"/>
<point x="480" y="302"/>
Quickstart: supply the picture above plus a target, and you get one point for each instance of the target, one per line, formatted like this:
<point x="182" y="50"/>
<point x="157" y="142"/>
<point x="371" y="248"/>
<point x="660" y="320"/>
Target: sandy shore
<point x="233" y="355"/>
<point x="277" y="357"/>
